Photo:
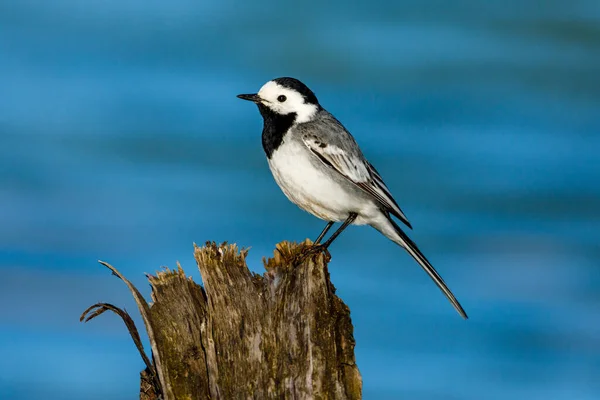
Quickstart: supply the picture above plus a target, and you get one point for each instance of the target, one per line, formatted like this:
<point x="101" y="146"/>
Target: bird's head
<point x="285" y="96"/>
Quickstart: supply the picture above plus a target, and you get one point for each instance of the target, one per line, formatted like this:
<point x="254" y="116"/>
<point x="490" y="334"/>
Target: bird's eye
<point x="281" y="98"/>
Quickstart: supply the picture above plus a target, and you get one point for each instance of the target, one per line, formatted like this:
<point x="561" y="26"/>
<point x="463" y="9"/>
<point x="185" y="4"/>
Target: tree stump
<point x="282" y="335"/>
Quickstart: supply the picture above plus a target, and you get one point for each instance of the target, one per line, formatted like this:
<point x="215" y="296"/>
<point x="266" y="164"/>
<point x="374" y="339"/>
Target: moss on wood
<point x="283" y="334"/>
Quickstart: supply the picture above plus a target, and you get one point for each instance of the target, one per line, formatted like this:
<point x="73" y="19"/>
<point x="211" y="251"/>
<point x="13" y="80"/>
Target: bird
<point x="319" y="166"/>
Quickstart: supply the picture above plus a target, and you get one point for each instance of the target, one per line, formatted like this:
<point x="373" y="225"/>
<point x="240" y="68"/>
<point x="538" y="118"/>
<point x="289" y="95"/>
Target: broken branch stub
<point x="284" y="334"/>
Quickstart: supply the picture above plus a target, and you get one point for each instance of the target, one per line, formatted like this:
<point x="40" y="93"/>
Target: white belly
<point x="307" y="185"/>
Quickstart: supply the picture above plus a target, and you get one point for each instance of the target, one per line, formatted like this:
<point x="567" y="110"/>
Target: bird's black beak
<point x="250" y="97"/>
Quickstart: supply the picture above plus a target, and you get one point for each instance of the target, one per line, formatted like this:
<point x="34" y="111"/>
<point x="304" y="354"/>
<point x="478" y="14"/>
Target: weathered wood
<point x="284" y="334"/>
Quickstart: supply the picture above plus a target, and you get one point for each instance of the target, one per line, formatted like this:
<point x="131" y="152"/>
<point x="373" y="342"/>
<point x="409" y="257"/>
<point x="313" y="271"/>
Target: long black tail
<point x="403" y="240"/>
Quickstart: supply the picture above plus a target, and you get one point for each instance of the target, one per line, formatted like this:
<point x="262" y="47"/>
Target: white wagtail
<point x="319" y="166"/>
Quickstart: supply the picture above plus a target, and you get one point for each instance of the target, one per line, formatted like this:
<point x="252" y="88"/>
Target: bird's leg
<point x="320" y="247"/>
<point x="324" y="232"/>
<point x="347" y="222"/>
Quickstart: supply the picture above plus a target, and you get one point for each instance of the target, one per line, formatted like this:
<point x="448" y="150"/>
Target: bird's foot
<point x="315" y="248"/>
<point x="310" y="251"/>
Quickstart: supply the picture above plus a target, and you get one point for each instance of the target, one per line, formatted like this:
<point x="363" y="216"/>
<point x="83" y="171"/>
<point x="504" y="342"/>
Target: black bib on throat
<point x="274" y="128"/>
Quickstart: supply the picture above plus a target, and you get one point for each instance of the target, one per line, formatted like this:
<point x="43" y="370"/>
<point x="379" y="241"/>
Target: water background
<point x="121" y="139"/>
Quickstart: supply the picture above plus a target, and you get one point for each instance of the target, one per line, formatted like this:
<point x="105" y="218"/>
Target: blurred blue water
<point x="121" y="139"/>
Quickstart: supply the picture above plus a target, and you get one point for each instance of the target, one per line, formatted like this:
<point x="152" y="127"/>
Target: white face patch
<point x="293" y="102"/>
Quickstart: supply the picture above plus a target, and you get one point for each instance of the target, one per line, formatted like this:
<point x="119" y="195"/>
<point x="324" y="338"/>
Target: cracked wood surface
<point x="282" y="335"/>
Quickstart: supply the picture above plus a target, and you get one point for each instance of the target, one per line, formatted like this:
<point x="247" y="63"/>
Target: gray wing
<point x="337" y="149"/>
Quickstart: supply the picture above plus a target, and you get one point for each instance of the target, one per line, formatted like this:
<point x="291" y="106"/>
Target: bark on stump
<point x="284" y="334"/>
